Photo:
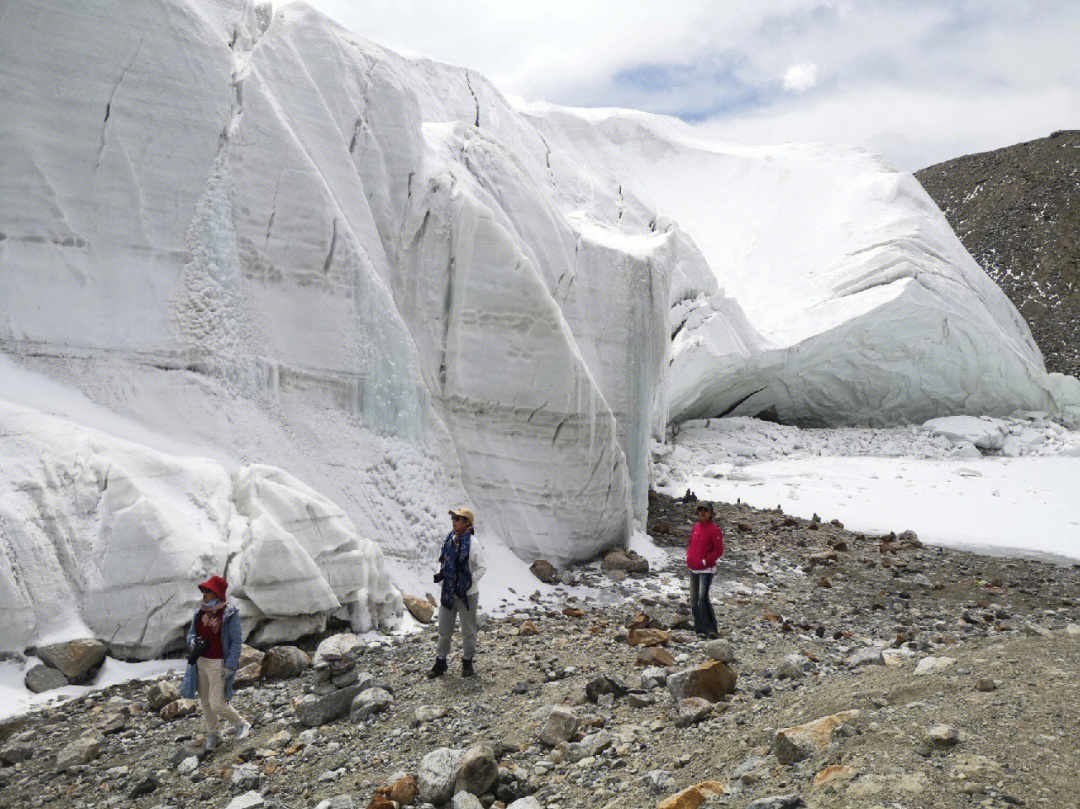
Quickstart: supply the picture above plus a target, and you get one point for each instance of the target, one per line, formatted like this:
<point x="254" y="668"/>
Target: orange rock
<point x="639" y="621"/>
<point x="379" y="801"/>
<point x="692" y="797"/>
<point x="572" y="612"/>
<point x="404" y="790"/>
<point x="831" y="773"/>
<point x="802" y="741"/>
<point x="648" y="637"/>
<point x="528" y="628"/>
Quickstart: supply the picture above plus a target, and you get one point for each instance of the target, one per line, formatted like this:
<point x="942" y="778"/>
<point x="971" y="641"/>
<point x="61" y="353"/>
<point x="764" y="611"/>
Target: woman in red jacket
<point x="706" y="546"/>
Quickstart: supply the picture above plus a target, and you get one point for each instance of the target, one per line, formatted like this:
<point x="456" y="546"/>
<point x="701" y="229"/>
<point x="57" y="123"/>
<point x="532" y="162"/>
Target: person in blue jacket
<point x="214" y="641"/>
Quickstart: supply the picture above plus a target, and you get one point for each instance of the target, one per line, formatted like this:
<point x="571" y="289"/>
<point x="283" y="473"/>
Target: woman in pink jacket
<point x="706" y="546"/>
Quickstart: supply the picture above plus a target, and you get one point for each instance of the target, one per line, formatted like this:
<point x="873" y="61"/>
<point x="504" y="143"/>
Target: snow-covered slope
<point x="255" y="238"/>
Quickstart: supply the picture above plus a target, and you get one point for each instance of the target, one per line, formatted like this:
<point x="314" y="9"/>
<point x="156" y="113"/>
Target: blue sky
<point x="918" y="82"/>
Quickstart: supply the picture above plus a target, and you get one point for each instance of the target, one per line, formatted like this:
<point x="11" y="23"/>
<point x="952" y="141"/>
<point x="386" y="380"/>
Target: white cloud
<point x="801" y="77"/>
<point x="918" y="81"/>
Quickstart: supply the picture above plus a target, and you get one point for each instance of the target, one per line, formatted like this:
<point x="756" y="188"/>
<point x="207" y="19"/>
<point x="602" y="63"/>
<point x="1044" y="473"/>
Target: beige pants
<point x="212" y="694"/>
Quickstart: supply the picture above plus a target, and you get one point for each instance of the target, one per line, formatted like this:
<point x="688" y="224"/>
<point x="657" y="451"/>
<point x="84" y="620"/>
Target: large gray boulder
<point x="74" y="658"/>
<point x="438" y="772"/>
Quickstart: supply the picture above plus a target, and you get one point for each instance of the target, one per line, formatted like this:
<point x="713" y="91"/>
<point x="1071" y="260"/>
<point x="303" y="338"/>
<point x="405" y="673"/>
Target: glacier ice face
<point x="275" y="244"/>
<point x="108" y="538"/>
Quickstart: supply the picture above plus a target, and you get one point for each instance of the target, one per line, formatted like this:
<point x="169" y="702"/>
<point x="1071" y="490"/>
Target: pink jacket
<point x="706" y="546"/>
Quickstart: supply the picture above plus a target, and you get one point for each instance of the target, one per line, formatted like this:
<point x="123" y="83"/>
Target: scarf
<point x="211" y="616"/>
<point x="454" y="564"/>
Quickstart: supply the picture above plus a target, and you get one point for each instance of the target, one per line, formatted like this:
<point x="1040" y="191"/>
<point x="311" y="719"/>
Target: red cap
<point x="216" y="585"/>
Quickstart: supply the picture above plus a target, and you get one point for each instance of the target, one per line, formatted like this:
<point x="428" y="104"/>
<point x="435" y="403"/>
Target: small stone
<point x="177" y="709"/>
<point x="465" y="800"/>
<point x="249" y="800"/>
<point x="315" y="711"/>
<point x="834" y="772"/>
<point x="42" y="678"/>
<point x="16" y="751"/>
<point x="777" y="802"/>
<point x="693" y="797"/>
<point x="438" y="772"/>
<point x="420" y="608"/>
<point x="188" y="765"/>
<point x="427" y="713"/>
<point x="654" y="656"/>
<point x="247" y="675"/>
<point x="604" y="685"/>
<point x="545" y="571"/>
<point x="1073" y="629"/>
<point x="246" y="776"/>
<point x="161" y="693"/>
<point x="81" y="751"/>
<point x="370" y="701"/>
<point x="403" y="790"/>
<point x="561" y="725"/>
<point x="866" y="657"/>
<point x="802" y="741"/>
<point x="789" y="670"/>
<point x="710" y="680"/>
<point x="692" y="710"/>
<point x="985" y="684"/>
<point x="931" y="664"/>
<point x="648" y="637"/>
<point x="477" y="771"/>
<point x="721" y="650"/>
<point x="527" y="629"/>
<point x="943" y="736"/>
<point x="144" y="787"/>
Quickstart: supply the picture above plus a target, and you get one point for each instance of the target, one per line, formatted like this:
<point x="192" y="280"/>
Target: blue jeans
<point x="700" y="605"/>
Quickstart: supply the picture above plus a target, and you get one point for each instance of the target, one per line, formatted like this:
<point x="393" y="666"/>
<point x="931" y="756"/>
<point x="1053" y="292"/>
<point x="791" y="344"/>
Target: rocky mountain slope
<point x="1017" y="211"/>
<point x="853" y="671"/>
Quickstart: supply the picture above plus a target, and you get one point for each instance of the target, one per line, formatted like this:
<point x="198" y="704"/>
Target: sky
<point x="918" y="82"/>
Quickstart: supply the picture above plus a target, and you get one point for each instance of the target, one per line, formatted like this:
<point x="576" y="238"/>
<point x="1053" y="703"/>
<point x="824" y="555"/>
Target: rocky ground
<point x="1017" y="211"/>
<point x="852" y="671"/>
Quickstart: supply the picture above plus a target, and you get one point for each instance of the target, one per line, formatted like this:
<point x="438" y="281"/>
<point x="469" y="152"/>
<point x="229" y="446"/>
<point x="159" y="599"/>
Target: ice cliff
<point x="272" y="243"/>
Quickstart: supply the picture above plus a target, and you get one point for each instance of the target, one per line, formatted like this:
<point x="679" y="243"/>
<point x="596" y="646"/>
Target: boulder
<point x="419" y="608"/>
<point x="74" y="658"/>
<point x="942" y="736"/>
<point x="284" y="662"/>
<point x="161" y="693"/>
<point x="528" y="802"/>
<point x="561" y="724"/>
<point x="314" y="711"/>
<point x="465" y="800"/>
<point x="691" y="711"/>
<point x="629" y="561"/>
<point x="647" y="637"/>
<point x="545" y="571"/>
<point x="81" y="751"/>
<point x="588" y="746"/>
<point x="249" y="655"/>
<point x="693" y="797"/>
<point x="370" y="701"/>
<point x="478" y="770"/>
<point x="802" y="741"/>
<point x="721" y="650"/>
<point x="249" y="800"/>
<point x="17" y="750"/>
<point x="42" y="678"/>
<point x="438" y="772"/>
<point x="710" y="680"/>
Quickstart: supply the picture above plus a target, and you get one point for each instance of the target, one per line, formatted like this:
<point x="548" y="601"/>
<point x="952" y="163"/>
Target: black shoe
<point x="466" y="668"/>
<point x="439" y="669"/>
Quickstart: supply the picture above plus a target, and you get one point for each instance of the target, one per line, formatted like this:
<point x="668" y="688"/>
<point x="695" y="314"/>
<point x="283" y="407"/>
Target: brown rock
<point x="822" y="558"/>
<point x="629" y="561"/>
<point x="692" y="710"/>
<point x="802" y="741"/>
<point x="528" y="628"/>
<point x="403" y="790"/>
<point x="249" y="655"/>
<point x="710" y="680"/>
<point x="647" y="637"/>
<point x="283" y="663"/>
<point x="545" y="571"/>
<point x="693" y="797"/>
<point x="178" y="709"/>
<point x="654" y="656"/>
<point x="247" y="675"/>
<point x="832" y="773"/>
<point x="745" y="527"/>
<point x="639" y="621"/>
<point x="477" y="771"/>
<point x="161" y="694"/>
<point x="419" y="608"/>
<point x="380" y="801"/>
<point x="572" y="612"/>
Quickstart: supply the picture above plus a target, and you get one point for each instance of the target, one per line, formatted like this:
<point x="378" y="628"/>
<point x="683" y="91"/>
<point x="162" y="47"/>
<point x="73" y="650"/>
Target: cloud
<point x="801" y="77"/>
<point x="917" y="81"/>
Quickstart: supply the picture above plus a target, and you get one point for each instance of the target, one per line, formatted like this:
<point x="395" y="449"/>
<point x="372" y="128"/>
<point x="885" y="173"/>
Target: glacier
<point x="250" y="259"/>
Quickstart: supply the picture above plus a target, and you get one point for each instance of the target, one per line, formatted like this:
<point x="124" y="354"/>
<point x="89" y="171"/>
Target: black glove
<point x="438" y="577"/>
<point x="196" y="649"/>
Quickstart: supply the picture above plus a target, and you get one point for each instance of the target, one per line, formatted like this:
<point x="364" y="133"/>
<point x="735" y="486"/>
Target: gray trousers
<point x="468" y="627"/>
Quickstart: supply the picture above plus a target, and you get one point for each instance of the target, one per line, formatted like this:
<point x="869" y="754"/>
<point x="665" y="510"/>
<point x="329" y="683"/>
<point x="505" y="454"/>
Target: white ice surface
<point x="876" y="481"/>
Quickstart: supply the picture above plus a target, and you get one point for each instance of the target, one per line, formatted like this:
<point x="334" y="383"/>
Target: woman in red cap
<point x="461" y="565"/>
<point x="214" y="642"/>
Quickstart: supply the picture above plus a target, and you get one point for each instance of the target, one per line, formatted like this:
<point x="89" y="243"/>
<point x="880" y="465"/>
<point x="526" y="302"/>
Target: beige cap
<point x="463" y="512"/>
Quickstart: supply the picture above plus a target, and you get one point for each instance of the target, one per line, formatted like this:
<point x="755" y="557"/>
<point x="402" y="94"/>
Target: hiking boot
<point x="439" y="669"/>
<point x="466" y="668"/>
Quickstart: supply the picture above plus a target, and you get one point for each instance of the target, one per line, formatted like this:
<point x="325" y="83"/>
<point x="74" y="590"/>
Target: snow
<point x="876" y="481"/>
<point x="273" y="297"/>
